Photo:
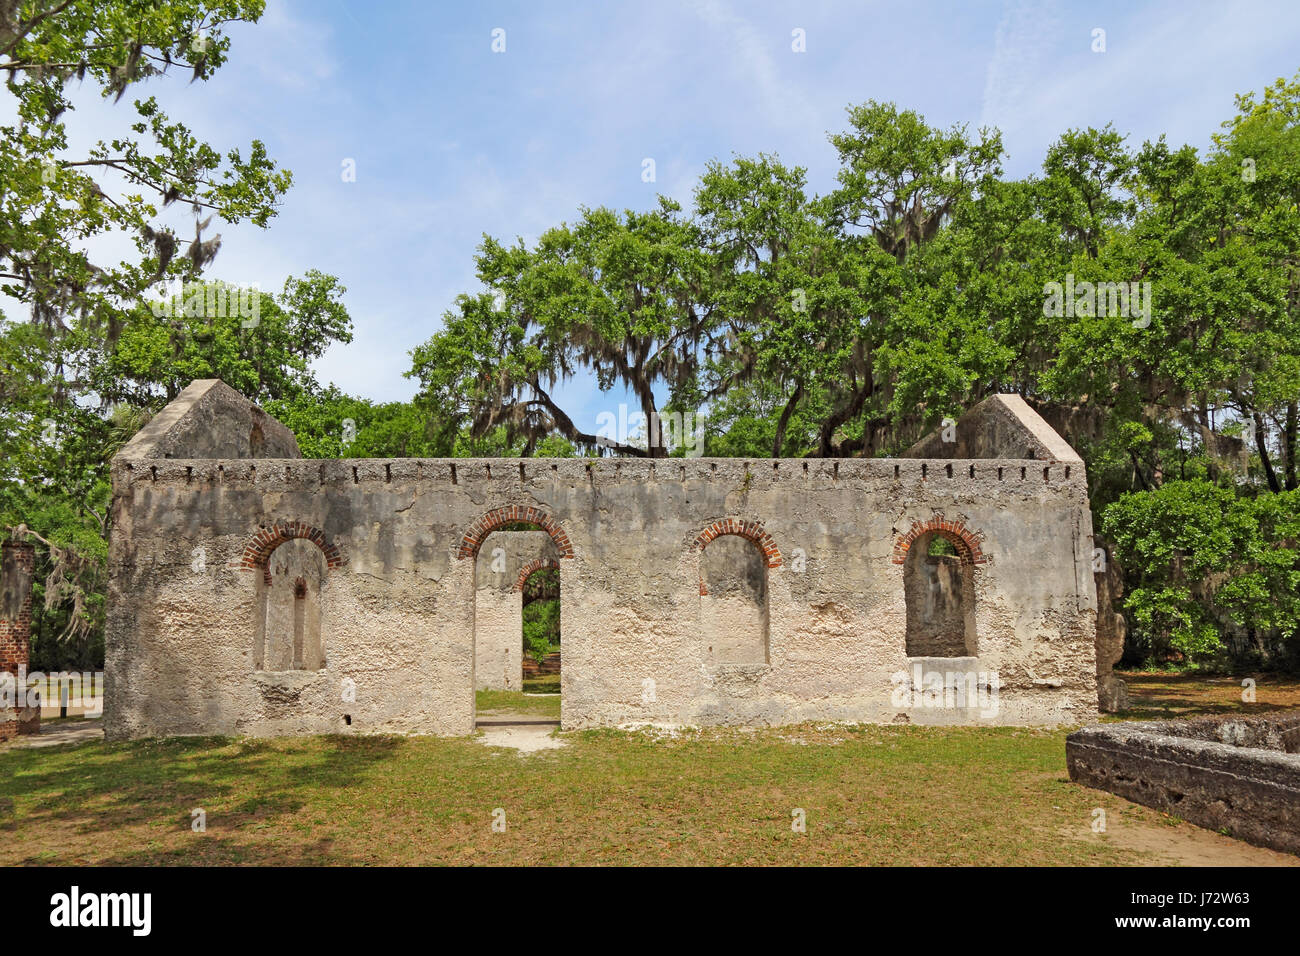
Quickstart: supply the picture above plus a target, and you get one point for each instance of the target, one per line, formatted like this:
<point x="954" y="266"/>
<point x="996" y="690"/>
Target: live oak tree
<point x="64" y="310"/>
<point x="54" y="203"/>
<point x="621" y="297"/>
<point x="1212" y="536"/>
<point x="851" y="323"/>
<point x="260" y="344"/>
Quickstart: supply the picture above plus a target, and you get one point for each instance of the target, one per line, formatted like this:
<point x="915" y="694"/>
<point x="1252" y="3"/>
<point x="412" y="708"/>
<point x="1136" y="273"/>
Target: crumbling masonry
<point x="253" y="591"/>
<point x="17" y="560"/>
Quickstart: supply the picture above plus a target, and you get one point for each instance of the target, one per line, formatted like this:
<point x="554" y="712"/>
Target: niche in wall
<point x="734" y="600"/>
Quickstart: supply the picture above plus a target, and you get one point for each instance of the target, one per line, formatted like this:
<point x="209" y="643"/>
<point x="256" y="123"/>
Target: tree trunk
<point x="785" y="419"/>
<point x="1289" y="436"/>
<point x="1261" y="444"/>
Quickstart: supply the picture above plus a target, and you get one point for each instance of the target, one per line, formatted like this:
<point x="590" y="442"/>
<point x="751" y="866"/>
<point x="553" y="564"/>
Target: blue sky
<point x="451" y="140"/>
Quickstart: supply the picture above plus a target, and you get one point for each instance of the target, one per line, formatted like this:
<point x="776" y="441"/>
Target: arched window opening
<point x="288" y="632"/>
<point x="734" y="601"/>
<point x="939" y="589"/>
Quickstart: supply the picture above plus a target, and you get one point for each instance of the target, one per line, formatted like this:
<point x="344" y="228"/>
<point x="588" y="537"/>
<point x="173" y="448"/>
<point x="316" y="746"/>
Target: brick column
<point x="17" y="560"/>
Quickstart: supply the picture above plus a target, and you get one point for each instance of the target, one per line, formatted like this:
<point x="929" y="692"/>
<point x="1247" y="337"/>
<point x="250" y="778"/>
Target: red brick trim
<point x="16" y="635"/>
<point x="753" y="530"/>
<point x="258" y="551"/>
<point x="533" y="566"/>
<point x="497" y="517"/>
<point x="750" y="530"/>
<point x="962" y="538"/>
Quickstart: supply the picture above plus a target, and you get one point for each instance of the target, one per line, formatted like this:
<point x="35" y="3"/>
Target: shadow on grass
<point x="213" y="850"/>
<point x="544" y="684"/>
<point x="1166" y="696"/>
<point x="94" y="789"/>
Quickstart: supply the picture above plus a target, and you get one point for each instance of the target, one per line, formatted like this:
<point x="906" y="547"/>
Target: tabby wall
<point x="394" y="606"/>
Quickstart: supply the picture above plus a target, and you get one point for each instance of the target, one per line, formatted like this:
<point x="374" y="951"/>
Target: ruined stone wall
<point x="398" y="539"/>
<point x="17" y="562"/>
<point x="995" y="429"/>
<point x="939" y="591"/>
<point x="1108" y="577"/>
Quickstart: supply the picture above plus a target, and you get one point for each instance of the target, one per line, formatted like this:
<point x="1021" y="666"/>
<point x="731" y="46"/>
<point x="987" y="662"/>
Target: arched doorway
<point x="292" y="561"/>
<point x="539" y="590"/>
<point x="516" y="553"/>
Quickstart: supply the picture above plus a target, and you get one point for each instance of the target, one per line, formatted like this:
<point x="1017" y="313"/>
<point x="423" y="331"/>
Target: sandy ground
<point x="63" y="732"/>
<point x="1184" y="844"/>
<point x="526" y="733"/>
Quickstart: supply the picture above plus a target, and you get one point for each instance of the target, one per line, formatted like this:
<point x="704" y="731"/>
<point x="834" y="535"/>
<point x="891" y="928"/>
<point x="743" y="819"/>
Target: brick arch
<point x="257" y="553"/>
<point x="497" y="517"/>
<point x="962" y="538"/>
<point x="753" y="530"/>
<point x="537" y="564"/>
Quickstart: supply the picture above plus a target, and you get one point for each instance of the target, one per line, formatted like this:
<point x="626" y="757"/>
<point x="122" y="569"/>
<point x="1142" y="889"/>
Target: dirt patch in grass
<point x="1175" y="842"/>
<point x="525" y="738"/>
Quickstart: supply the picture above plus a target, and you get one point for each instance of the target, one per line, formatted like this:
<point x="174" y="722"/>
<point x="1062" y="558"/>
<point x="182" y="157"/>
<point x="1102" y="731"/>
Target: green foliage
<point x="851" y="323"/>
<point x="54" y="201"/>
<point x="259" y="344"/>
<point x="541" y="628"/>
<point x="83" y="359"/>
<point x="612" y="295"/>
<point x="1203" y="554"/>
<point x="329" y="424"/>
<point x="541" y="632"/>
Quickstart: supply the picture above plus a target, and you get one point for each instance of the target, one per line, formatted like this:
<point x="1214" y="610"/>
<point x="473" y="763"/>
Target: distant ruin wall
<point x="1005" y="427"/>
<point x="17" y="563"/>
<point x="209" y="419"/>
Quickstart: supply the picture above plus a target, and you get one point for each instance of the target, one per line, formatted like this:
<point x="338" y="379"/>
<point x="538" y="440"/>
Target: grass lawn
<point x="542" y="684"/>
<point x="871" y="794"/>
<point x="1161" y="696"/>
<point x="489" y="701"/>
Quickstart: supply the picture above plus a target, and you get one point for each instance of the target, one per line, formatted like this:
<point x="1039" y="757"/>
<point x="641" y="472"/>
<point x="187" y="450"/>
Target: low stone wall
<point x="549" y="665"/>
<point x="1238" y="775"/>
